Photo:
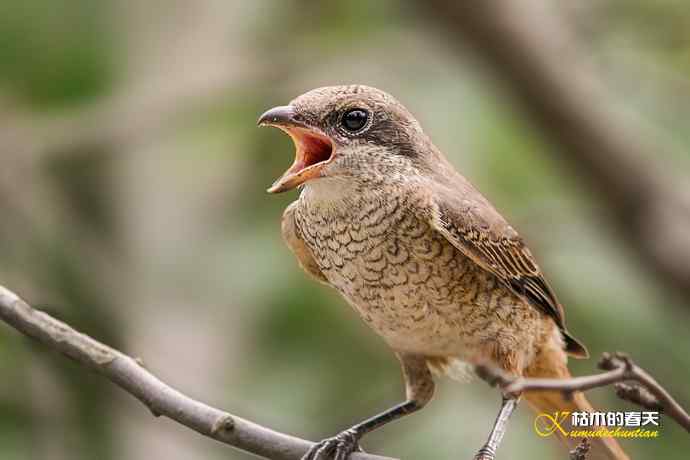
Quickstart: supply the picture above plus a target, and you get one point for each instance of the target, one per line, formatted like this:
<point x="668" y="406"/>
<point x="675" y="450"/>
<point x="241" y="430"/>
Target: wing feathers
<point x="475" y="228"/>
<point x="297" y="246"/>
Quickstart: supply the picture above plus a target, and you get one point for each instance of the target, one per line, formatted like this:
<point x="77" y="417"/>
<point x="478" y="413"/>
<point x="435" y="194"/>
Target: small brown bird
<point x="420" y="254"/>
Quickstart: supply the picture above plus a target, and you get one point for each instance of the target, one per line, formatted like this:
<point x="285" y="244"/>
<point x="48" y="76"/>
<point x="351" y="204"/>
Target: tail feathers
<point x="574" y="347"/>
<point x="553" y="403"/>
<point x="552" y="364"/>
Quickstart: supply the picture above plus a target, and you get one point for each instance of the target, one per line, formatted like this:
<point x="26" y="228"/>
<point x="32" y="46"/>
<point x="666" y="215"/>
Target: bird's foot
<point x="339" y="447"/>
<point x="485" y="453"/>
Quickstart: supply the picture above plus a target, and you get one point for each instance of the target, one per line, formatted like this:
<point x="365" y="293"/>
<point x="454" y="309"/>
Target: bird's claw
<point x="339" y="447"/>
<point x="485" y="453"/>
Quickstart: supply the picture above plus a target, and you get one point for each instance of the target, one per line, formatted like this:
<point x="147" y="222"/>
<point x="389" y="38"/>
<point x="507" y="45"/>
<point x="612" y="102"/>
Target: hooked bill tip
<point x="281" y="115"/>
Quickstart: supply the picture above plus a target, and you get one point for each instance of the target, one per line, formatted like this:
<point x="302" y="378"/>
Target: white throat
<point x="329" y="191"/>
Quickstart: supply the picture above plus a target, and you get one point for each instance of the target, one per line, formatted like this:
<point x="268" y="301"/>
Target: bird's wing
<point x="475" y="228"/>
<point x="292" y="238"/>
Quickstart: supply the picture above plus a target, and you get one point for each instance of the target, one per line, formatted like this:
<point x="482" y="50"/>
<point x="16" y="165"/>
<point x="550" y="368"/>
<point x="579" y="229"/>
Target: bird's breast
<point x="405" y="279"/>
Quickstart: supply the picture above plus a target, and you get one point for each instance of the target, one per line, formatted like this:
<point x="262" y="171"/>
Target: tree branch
<point x="619" y="368"/>
<point x="580" y="452"/>
<point x="129" y="374"/>
<point x="532" y="51"/>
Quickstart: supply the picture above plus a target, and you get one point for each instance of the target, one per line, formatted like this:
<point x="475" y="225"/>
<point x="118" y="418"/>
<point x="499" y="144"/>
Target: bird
<point x="421" y="255"/>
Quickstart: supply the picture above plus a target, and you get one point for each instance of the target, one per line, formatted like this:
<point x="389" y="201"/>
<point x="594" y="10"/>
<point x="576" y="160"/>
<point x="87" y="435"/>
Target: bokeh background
<point x="132" y="206"/>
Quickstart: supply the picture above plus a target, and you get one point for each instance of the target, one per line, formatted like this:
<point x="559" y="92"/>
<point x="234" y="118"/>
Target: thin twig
<point x="128" y="373"/>
<point x="580" y="452"/>
<point x="619" y="368"/>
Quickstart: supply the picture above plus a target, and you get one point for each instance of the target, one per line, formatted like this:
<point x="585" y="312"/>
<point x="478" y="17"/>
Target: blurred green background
<point x="133" y="207"/>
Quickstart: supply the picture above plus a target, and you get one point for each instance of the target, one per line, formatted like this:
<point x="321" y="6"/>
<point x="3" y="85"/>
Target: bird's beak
<point x="313" y="149"/>
<point x="283" y="115"/>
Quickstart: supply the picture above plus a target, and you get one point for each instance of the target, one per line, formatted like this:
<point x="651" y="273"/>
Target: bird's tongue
<point x="312" y="151"/>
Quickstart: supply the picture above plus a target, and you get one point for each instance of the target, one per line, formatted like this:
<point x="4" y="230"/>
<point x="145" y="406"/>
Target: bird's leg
<point x="419" y="387"/>
<point x="488" y="451"/>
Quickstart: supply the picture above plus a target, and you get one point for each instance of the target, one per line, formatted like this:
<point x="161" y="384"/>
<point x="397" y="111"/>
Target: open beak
<point x="313" y="149"/>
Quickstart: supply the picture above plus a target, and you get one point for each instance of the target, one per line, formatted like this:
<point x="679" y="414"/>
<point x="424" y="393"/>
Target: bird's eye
<point x="354" y="120"/>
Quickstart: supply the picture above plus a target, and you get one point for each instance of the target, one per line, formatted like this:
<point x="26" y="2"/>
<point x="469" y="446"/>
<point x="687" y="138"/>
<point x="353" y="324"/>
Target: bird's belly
<point x="418" y="292"/>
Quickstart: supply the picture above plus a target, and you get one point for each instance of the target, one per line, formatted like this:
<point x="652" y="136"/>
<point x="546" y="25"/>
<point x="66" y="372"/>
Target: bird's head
<point x="354" y="133"/>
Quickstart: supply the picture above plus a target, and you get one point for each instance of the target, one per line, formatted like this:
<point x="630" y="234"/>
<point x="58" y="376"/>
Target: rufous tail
<point x="551" y="363"/>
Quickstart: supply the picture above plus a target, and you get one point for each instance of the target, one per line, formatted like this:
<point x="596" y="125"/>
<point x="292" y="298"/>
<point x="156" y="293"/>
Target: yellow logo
<point x="598" y="424"/>
<point x="547" y="424"/>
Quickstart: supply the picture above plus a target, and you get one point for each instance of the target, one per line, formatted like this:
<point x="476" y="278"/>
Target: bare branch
<point x="532" y="51"/>
<point x="160" y="398"/>
<point x="619" y="368"/>
<point x="636" y="393"/>
<point x="580" y="452"/>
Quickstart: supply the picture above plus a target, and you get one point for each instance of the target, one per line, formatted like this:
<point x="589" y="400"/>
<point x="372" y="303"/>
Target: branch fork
<point x="632" y="383"/>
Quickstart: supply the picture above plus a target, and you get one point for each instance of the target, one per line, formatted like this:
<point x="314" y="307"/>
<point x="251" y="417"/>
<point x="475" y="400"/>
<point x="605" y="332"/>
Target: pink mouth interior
<point x="311" y="148"/>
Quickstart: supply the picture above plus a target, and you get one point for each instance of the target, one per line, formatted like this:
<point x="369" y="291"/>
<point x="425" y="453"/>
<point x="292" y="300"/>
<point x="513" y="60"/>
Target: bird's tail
<point x="550" y="407"/>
